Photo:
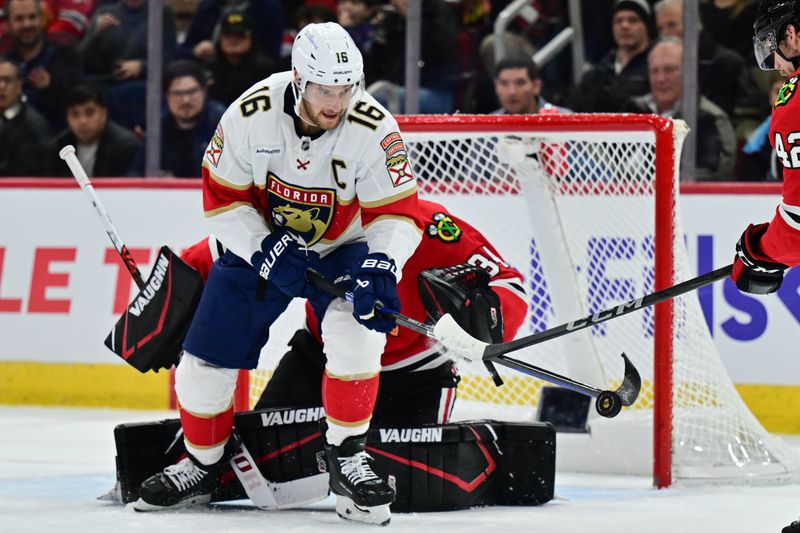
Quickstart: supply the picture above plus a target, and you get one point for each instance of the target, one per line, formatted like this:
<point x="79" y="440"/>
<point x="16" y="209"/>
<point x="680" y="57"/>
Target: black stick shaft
<point x="328" y="286"/>
<point x="546" y="375"/>
<point x="494" y="350"/>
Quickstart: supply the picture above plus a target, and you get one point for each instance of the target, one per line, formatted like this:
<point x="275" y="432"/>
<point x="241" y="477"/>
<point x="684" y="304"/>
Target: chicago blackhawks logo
<point x="444" y="228"/>
<point x="786" y="92"/>
<point x="305" y="212"/>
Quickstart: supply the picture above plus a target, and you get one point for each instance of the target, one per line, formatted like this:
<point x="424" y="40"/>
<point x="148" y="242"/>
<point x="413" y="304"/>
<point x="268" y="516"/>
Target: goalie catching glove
<point x="463" y="291"/>
<point x="753" y="270"/>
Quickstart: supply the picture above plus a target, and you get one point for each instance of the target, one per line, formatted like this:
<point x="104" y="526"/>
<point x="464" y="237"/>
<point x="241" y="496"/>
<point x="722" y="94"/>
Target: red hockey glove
<point x="753" y="270"/>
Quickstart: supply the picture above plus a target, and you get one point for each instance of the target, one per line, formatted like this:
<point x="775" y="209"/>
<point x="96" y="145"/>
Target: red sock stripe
<point x="207" y="431"/>
<point x="349" y="401"/>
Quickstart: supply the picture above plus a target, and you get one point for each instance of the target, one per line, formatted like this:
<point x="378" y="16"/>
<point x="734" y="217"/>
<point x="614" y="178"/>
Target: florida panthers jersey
<point x="350" y="184"/>
<point x="446" y="241"/>
<point x="781" y="242"/>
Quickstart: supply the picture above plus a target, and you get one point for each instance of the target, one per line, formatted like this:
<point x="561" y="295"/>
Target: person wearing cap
<point x="238" y="61"/>
<point x="622" y="73"/>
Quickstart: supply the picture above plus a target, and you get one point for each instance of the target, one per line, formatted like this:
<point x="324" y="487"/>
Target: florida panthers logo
<point x="305" y="212"/>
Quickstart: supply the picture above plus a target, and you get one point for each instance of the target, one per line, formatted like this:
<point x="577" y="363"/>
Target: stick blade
<point x="455" y="339"/>
<point x="631" y="383"/>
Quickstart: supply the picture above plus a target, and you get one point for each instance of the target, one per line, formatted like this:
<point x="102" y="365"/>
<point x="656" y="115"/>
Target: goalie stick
<point x="452" y="336"/>
<point x="68" y="155"/>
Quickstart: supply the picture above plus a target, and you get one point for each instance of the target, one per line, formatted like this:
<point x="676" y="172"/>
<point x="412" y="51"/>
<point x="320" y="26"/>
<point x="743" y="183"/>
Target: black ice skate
<point x="189" y="482"/>
<point x="360" y="494"/>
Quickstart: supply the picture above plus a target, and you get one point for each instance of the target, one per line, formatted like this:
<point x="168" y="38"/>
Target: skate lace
<point x="184" y="474"/>
<point x="356" y="468"/>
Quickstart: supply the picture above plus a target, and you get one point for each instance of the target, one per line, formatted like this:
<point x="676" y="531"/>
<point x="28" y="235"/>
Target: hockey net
<point x="585" y="206"/>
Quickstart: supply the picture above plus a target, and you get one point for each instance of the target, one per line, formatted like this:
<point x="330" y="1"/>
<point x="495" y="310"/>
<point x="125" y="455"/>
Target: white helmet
<point x="326" y="54"/>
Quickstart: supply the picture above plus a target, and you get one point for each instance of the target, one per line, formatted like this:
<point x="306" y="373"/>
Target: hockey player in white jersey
<point x="305" y="170"/>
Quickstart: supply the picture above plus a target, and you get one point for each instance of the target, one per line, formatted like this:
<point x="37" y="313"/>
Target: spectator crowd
<point x="73" y="71"/>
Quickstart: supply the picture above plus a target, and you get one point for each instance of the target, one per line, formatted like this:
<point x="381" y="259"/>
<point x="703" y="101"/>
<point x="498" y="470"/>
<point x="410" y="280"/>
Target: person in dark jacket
<point x="238" y="62"/>
<point x="47" y="69"/>
<point x="716" y="142"/>
<point x="438" y="50"/>
<point x="722" y="75"/>
<point x="23" y="131"/>
<point x="104" y="148"/>
<point x="622" y="73"/>
<point x="115" y="46"/>
<point x="188" y="123"/>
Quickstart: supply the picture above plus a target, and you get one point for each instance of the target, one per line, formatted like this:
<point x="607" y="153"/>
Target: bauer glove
<point x="283" y="262"/>
<point x="375" y="280"/>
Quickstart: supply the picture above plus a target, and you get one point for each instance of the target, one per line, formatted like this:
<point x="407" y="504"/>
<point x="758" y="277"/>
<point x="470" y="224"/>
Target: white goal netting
<point x="570" y="201"/>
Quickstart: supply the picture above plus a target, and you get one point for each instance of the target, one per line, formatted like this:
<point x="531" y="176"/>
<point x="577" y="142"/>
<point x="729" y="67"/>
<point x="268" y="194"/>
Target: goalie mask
<point x="463" y="291"/>
<point x="328" y="67"/>
<point x="768" y="29"/>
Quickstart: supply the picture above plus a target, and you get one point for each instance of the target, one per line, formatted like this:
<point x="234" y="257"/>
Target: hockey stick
<point x="68" y="155"/>
<point x="608" y="403"/>
<point x="494" y="351"/>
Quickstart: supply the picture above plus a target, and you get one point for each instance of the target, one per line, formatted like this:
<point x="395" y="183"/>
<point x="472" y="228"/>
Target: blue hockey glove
<point x="375" y="280"/>
<point x="283" y="262"/>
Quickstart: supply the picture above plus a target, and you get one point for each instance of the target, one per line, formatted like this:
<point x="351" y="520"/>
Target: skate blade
<point x="143" y="507"/>
<point x="379" y="515"/>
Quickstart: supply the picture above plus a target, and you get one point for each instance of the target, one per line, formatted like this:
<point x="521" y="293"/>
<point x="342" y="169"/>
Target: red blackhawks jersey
<point x="781" y="242"/>
<point x="446" y="241"/>
<point x="350" y="184"/>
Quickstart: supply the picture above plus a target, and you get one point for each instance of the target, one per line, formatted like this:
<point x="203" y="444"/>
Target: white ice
<point x="54" y="462"/>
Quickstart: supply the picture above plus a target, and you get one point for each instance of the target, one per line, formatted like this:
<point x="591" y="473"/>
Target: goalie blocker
<point x="149" y="334"/>
<point x="432" y="467"/>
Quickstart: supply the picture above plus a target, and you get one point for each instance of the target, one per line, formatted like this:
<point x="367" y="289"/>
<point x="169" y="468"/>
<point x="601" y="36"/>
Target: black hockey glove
<point x="463" y="291"/>
<point x="753" y="270"/>
<point x="283" y="262"/>
<point x="375" y="280"/>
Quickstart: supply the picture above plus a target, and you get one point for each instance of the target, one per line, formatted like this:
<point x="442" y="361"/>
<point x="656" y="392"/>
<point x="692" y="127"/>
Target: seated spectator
<point x="115" y="46"/>
<point x="267" y="17"/>
<point x="386" y="60"/>
<point x="722" y="74"/>
<point x="622" y="73"/>
<point x="730" y="22"/>
<point x="104" y="148"/>
<point x="48" y="69"/>
<point x="23" y="131"/>
<point x="65" y="21"/>
<point x="238" y="63"/>
<point x="188" y="123"/>
<point x="518" y="86"/>
<point x="355" y="16"/>
<point x="716" y="143"/>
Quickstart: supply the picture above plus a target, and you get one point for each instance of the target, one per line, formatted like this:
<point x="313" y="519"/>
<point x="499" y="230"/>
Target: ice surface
<point x="55" y="462"/>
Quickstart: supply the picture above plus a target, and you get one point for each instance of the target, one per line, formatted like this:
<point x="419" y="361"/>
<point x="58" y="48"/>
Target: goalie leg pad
<point x="149" y="334"/>
<point x="433" y="468"/>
